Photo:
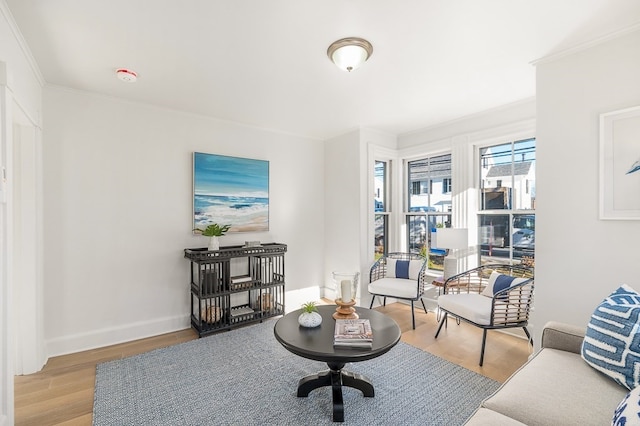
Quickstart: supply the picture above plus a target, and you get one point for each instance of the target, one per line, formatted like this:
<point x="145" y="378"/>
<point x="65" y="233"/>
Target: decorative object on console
<point x="213" y="231"/>
<point x="452" y="239"/>
<point x="211" y="314"/>
<point x="230" y="190"/>
<point x="310" y="317"/>
<point x="346" y="285"/>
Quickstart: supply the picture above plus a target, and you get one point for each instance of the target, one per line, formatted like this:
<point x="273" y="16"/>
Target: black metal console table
<point x="235" y="285"/>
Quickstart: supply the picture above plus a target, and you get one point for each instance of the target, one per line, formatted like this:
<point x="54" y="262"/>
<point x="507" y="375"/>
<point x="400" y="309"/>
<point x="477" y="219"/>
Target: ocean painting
<point x="230" y="190"/>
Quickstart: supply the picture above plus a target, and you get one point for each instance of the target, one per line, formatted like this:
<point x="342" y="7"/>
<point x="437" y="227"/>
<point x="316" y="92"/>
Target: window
<point x="446" y="185"/>
<point x="381" y="209"/>
<point x="507" y="217"/>
<point x="431" y="207"/>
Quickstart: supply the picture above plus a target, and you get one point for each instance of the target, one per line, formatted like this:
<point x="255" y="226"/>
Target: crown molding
<point x="586" y="45"/>
<point x="24" y="47"/>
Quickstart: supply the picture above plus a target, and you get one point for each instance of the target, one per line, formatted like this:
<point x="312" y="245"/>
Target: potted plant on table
<point x="213" y="231"/>
<point x="310" y="316"/>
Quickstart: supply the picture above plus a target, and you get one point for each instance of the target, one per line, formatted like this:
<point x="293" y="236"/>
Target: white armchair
<point x="490" y="297"/>
<point x="401" y="276"/>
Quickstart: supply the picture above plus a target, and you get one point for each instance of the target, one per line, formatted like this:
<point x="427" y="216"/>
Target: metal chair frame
<point x="379" y="270"/>
<point x="510" y="307"/>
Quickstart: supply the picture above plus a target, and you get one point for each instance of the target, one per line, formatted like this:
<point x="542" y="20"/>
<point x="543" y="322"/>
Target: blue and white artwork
<point x="230" y="190"/>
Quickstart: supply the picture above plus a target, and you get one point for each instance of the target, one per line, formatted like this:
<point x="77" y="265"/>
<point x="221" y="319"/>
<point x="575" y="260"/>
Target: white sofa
<point x="555" y="387"/>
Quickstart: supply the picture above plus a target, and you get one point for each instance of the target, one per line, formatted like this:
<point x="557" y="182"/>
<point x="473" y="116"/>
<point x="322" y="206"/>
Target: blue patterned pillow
<point x="612" y="342"/>
<point x="628" y="411"/>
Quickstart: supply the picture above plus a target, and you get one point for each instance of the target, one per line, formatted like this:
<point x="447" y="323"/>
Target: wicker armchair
<point x="481" y="298"/>
<point x="406" y="281"/>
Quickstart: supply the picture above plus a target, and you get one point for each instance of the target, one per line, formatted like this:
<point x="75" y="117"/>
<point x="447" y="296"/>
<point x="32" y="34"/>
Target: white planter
<point x="214" y="243"/>
<point x="310" y="319"/>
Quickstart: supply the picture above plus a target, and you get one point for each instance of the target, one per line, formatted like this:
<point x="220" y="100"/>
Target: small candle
<point x="345" y="286"/>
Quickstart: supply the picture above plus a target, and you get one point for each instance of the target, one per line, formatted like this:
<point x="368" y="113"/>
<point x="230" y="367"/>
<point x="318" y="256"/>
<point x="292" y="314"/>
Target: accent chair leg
<point x="423" y="306"/>
<point x="372" y="299"/>
<point x="484" y="341"/>
<point x="441" y="324"/>
<point x="384" y="301"/>
<point x="528" y="335"/>
<point x="413" y="316"/>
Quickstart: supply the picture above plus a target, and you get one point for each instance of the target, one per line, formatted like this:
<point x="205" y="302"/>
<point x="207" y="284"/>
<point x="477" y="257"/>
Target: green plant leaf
<point x="309" y="307"/>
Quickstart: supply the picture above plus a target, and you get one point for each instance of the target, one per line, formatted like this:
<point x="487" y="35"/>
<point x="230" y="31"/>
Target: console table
<point x="235" y="285"/>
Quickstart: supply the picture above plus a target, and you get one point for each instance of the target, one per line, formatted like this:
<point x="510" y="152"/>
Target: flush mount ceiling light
<point x="128" y="76"/>
<point x="349" y="53"/>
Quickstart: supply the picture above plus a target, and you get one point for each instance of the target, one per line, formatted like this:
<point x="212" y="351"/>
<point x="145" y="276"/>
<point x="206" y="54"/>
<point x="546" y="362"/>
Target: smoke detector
<point x="128" y="76"/>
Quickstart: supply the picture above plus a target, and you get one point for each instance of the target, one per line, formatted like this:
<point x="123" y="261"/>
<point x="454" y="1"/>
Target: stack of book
<point x="353" y="333"/>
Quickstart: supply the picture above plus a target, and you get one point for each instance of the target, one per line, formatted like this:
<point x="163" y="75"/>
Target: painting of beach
<point x="230" y="190"/>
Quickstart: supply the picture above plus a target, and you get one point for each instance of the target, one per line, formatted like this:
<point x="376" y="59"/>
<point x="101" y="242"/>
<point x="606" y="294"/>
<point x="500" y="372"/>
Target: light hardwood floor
<point x="62" y="393"/>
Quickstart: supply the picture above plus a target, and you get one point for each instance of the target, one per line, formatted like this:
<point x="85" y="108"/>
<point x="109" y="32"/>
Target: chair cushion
<point x="394" y="287"/>
<point x="408" y="269"/>
<point x="473" y="307"/>
<point x="612" y="342"/>
<point x="498" y="281"/>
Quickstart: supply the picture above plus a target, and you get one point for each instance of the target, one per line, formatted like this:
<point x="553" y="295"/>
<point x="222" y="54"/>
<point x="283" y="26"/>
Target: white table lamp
<point x="452" y="239"/>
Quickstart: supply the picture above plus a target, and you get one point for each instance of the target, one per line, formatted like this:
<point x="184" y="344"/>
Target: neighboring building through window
<point x="381" y="209"/>
<point x="430" y="208"/>
<point x="446" y="185"/>
<point x="507" y="202"/>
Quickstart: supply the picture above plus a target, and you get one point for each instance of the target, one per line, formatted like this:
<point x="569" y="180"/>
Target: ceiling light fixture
<point x="349" y="53"/>
<point x="126" y="75"/>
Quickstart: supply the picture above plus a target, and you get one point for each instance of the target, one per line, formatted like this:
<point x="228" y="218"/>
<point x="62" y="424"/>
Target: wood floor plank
<point x="62" y="393"/>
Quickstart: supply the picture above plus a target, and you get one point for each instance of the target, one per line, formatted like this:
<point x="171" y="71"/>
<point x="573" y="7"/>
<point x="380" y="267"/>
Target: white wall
<point x="343" y="217"/>
<point x="118" y="213"/>
<point x="579" y="258"/>
<point x="20" y="103"/>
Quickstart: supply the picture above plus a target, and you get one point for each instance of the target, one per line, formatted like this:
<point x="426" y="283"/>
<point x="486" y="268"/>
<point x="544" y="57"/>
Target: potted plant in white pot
<point x="213" y="231"/>
<point x="309" y="316"/>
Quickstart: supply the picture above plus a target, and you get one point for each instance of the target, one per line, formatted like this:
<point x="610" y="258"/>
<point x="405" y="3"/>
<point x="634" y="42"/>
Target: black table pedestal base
<point x="336" y="378"/>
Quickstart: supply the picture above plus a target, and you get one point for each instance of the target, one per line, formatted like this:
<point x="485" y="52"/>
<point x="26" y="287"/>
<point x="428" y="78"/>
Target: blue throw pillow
<point x="612" y="341"/>
<point x="402" y="269"/>
<point x="498" y="282"/>
<point x="502" y="282"/>
<point x="628" y="411"/>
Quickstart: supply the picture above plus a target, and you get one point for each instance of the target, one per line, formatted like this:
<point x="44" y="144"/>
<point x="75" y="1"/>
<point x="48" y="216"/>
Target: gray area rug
<point x="245" y="377"/>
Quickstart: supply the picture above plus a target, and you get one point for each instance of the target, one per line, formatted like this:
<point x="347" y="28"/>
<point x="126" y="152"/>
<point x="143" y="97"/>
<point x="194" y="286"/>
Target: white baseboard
<point x="114" y="335"/>
<point x="126" y="333"/>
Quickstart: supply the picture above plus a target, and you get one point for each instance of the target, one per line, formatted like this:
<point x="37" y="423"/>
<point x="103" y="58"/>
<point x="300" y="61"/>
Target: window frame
<point x="510" y="212"/>
<point x="430" y="216"/>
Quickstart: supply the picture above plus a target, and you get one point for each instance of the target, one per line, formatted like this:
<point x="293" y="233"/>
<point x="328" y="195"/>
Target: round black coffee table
<point x="317" y="344"/>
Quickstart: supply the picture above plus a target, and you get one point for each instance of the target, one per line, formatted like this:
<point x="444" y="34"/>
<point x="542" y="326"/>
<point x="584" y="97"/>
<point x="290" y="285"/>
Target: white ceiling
<point x="264" y="63"/>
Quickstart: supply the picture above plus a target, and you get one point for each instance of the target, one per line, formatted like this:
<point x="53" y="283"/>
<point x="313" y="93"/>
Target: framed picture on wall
<point x="230" y="190"/>
<point x="620" y="164"/>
